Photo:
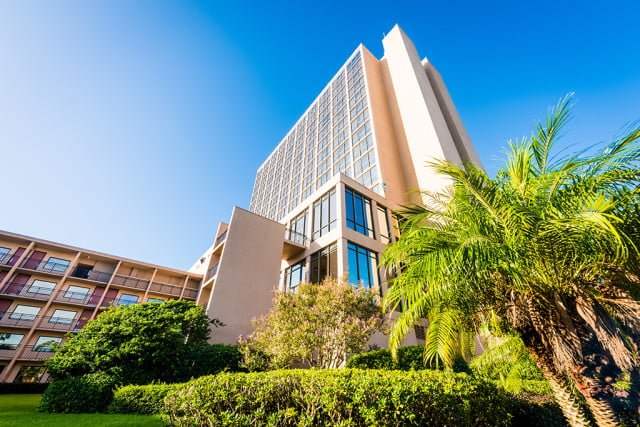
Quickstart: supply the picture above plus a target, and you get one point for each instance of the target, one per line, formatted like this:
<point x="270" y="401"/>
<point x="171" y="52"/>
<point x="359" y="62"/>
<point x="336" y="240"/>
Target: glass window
<point x="297" y="228"/>
<point x="358" y="212"/>
<point x="363" y="266"/>
<point x="324" y="214"/>
<point x="10" y="341"/>
<point x="63" y="316"/>
<point x="56" y="265"/>
<point x="31" y="374"/>
<point x="383" y="225"/>
<point x="76" y="293"/>
<point x="127" y="299"/>
<point x="24" y="312"/>
<point x="324" y="263"/>
<point x="155" y="300"/>
<point x="293" y="276"/>
<point x="46" y="344"/>
<point x="4" y="251"/>
<point x="41" y="287"/>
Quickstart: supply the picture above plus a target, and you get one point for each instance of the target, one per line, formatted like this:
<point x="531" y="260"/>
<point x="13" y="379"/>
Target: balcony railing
<point x="130" y="282"/>
<point x="165" y="288"/>
<point x="59" y="323"/>
<point x="46" y="266"/>
<point x="220" y="238"/>
<point x="212" y="270"/>
<point x="83" y="298"/>
<point x="96" y="276"/>
<point x="7" y="352"/>
<point x="295" y="237"/>
<point x="36" y="352"/>
<point x="190" y="293"/>
<point x="17" y="320"/>
<point x="35" y="292"/>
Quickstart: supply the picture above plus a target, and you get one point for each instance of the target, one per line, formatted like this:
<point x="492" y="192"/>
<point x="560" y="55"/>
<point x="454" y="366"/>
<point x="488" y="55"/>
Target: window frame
<point x="358" y="212"/>
<point x="373" y="273"/>
<point x="330" y="251"/>
<point x="324" y="214"/>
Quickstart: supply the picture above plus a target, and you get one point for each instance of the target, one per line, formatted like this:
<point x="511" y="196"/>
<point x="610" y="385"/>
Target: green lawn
<point x="19" y="410"/>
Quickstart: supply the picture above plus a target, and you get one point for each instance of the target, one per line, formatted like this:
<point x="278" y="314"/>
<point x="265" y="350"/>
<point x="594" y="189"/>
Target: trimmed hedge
<point x="347" y="397"/>
<point x="409" y="358"/>
<point x="88" y="393"/>
<point x="141" y="399"/>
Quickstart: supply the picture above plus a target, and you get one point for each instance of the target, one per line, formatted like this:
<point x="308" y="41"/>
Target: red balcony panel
<point x="34" y="260"/>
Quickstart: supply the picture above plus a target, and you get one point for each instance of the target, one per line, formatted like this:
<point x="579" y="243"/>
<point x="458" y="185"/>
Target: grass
<point x="20" y="410"/>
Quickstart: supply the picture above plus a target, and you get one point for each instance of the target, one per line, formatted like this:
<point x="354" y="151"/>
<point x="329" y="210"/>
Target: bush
<point x="22" y="388"/>
<point x="88" y="393"/>
<point x="207" y="359"/>
<point x="342" y="397"/>
<point x="409" y="358"/>
<point x="141" y="399"/>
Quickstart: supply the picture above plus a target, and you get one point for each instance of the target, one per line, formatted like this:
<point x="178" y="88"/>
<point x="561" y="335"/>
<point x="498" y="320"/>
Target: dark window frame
<point x="358" y="212"/>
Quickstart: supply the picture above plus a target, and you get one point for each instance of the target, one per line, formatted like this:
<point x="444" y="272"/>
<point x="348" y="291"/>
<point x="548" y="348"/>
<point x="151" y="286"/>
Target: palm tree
<point x="546" y="250"/>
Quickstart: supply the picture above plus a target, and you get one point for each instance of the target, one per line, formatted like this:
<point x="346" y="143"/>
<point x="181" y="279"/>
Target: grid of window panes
<point x="333" y="136"/>
<point x="363" y="266"/>
<point x="293" y="276"/>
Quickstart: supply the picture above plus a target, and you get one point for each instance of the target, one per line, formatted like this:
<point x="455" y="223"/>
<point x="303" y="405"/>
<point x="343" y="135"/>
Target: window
<point x="46" y="344"/>
<point x="24" y="312"/>
<point x="363" y="266"/>
<point x="155" y="300"/>
<point x="56" y="265"/>
<point x="324" y="214"/>
<point x="10" y="341"/>
<point x="41" y="287"/>
<point x="297" y="228"/>
<point x="324" y="263"/>
<point x="31" y="374"/>
<point x="4" y="252"/>
<point x="127" y="299"/>
<point x="384" y="232"/>
<point x="293" y="276"/>
<point x="358" y="212"/>
<point x="63" y="316"/>
<point x="77" y="293"/>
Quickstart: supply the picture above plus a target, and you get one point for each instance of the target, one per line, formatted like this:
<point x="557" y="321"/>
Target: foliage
<point x="139" y="343"/>
<point x="317" y="326"/>
<point x="20" y="410"/>
<point x="88" y="393"/>
<point x="408" y="358"/>
<point x="343" y="397"/>
<point x="141" y="399"/>
<point x="546" y="250"/>
<point x="206" y="359"/>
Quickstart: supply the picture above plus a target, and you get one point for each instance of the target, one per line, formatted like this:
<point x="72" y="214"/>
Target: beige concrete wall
<point x="425" y="127"/>
<point x="248" y="274"/>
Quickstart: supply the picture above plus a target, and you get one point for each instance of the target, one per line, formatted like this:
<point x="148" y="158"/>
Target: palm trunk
<point x="599" y="408"/>
<point x="570" y="406"/>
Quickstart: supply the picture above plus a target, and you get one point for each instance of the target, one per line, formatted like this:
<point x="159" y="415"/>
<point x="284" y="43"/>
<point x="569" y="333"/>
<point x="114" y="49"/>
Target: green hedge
<point x="409" y="358"/>
<point x="141" y="399"/>
<point x="347" y="397"/>
<point x="88" y="393"/>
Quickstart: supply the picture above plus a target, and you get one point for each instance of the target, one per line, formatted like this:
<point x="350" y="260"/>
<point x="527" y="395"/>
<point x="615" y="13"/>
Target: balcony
<point x="82" y="298"/>
<point x="26" y="291"/>
<point x="9" y="259"/>
<point x="295" y="243"/>
<point x="212" y="271"/>
<point x="7" y="352"/>
<point x="130" y="282"/>
<point x="190" y="293"/>
<point x="93" y="275"/>
<point x="63" y="324"/>
<point x="50" y="267"/>
<point x="17" y="320"/>
<point x="165" y="288"/>
<point x="221" y="238"/>
<point x="36" y="353"/>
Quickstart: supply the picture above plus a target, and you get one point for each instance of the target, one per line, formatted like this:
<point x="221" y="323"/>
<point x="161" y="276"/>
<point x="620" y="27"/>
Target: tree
<point x="137" y="344"/>
<point x="547" y="250"/>
<point x="319" y="325"/>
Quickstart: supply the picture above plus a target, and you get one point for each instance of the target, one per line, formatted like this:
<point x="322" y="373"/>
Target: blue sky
<point x="134" y="127"/>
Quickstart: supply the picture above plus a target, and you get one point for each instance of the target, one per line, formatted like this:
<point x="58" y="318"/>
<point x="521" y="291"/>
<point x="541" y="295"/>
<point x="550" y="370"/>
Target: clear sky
<point x="133" y="127"/>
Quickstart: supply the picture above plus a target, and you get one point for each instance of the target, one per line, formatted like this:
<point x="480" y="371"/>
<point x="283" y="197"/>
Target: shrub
<point x="409" y="358"/>
<point x="342" y="397"/>
<point x="207" y="359"/>
<point x="88" y="393"/>
<point x="316" y="326"/>
<point x="141" y="399"/>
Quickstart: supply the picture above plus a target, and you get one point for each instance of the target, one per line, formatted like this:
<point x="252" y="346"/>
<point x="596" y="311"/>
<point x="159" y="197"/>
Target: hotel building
<point x="322" y="205"/>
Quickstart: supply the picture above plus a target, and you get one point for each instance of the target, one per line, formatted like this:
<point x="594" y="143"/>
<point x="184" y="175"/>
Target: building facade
<point x="323" y="200"/>
<point x="322" y="206"/>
